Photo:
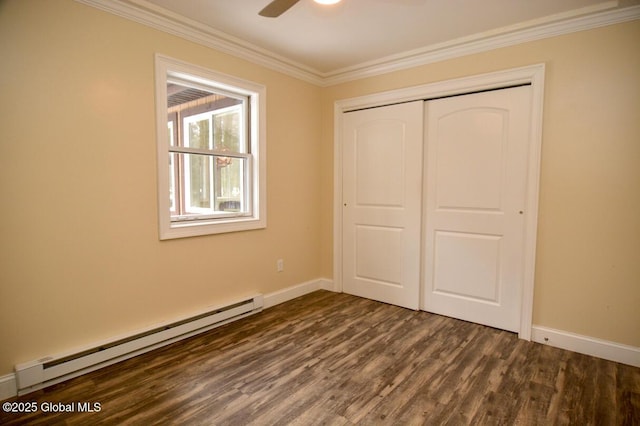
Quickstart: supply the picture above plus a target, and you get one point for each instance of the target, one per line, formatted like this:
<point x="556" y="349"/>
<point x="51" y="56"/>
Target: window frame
<point x="167" y="69"/>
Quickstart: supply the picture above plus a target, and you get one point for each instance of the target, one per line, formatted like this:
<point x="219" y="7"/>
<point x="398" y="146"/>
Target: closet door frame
<point x="533" y="75"/>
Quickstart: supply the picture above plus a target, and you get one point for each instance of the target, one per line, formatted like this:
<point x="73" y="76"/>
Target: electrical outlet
<point x="280" y="265"/>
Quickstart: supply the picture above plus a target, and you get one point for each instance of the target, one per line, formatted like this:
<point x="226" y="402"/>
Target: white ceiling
<point x="325" y="41"/>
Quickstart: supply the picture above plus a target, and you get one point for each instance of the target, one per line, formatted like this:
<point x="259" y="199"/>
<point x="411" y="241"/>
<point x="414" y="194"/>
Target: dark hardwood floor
<point x="334" y="359"/>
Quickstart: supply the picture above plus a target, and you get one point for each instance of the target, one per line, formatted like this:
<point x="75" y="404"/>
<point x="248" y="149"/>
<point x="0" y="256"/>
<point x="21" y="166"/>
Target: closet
<point x="435" y="195"/>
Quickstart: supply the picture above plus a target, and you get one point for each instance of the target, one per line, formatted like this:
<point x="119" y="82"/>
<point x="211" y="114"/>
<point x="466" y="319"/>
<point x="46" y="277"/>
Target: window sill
<point x="193" y="228"/>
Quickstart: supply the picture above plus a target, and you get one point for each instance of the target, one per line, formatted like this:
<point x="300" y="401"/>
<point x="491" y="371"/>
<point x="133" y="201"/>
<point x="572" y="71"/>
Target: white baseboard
<point x="8" y="383"/>
<point x="611" y="351"/>
<point x="604" y="349"/>
<point x="290" y="293"/>
<point x="8" y="386"/>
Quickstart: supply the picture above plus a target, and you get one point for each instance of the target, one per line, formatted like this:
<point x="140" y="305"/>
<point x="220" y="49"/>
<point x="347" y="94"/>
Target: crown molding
<point x="479" y="43"/>
<point x="161" y="19"/>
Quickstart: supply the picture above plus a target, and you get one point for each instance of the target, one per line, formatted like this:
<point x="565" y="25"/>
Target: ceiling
<point x="326" y="41"/>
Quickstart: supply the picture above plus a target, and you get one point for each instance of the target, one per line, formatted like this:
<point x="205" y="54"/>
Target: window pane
<point x="198" y="134"/>
<point x="230" y="191"/>
<point x="227" y="131"/>
<point x="212" y="184"/>
<point x="198" y="183"/>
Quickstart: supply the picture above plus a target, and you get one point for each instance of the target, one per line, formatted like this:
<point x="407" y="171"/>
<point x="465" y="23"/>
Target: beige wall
<point x="588" y="253"/>
<point x="80" y="258"/>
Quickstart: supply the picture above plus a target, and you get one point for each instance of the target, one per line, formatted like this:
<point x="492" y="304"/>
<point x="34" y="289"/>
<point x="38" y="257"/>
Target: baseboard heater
<point x="50" y="370"/>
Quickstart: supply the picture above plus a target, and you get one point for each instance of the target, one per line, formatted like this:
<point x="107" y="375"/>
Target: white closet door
<point x="475" y="188"/>
<point x="382" y="192"/>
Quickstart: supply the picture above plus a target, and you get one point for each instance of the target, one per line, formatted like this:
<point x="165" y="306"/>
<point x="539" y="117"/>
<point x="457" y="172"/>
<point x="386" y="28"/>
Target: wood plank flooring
<point x="334" y="359"/>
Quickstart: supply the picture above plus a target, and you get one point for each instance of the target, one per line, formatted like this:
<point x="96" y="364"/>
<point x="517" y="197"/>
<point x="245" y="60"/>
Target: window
<point x="211" y="151"/>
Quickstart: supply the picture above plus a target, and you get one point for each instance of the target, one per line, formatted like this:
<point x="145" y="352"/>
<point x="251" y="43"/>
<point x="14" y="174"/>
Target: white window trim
<point x="166" y="67"/>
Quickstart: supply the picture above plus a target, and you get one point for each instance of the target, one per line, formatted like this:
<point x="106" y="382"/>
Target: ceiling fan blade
<point x="277" y="8"/>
